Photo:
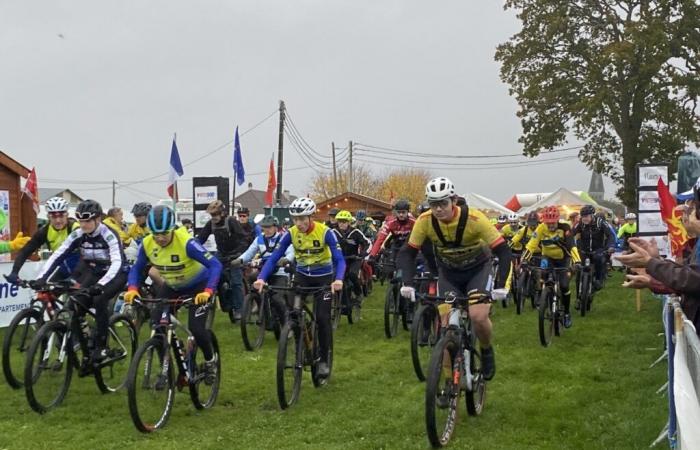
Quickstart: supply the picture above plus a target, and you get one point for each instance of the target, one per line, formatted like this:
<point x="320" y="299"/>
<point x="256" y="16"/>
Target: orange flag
<point x="672" y="216"/>
<point x="271" y="182"/>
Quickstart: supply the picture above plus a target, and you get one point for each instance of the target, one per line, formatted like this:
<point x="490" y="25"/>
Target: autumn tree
<point x="622" y="75"/>
<point x="404" y="183"/>
<point x="323" y="186"/>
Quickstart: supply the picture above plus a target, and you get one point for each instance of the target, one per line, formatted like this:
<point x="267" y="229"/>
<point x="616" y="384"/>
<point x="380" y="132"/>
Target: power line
<point x="427" y="154"/>
<point x="453" y="164"/>
<point x="296" y="140"/>
<point x="453" y="167"/>
<point x="293" y="126"/>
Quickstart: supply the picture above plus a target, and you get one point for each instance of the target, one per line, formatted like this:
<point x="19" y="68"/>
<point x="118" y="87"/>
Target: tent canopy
<point x="487" y="206"/>
<point x="565" y="200"/>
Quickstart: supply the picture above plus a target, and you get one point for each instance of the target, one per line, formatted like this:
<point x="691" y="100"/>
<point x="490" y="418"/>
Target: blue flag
<point x="238" y="161"/>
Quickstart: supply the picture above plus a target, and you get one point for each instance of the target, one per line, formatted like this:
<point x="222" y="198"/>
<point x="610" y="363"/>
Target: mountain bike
<point x="584" y="287"/>
<point x="551" y="312"/>
<point x="257" y="318"/>
<point x="298" y="347"/>
<point x="426" y="328"/>
<point x="66" y="343"/>
<point x="395" y="307"/>
<point x="455" y="367"/>
<point x="350" y="304"/>
<point x="24" y="326"/>
<point x="151" y="380"/>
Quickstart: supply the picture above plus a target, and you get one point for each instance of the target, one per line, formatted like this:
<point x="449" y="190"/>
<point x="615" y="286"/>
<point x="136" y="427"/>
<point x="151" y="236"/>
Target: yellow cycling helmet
<point x="344" y="215"/>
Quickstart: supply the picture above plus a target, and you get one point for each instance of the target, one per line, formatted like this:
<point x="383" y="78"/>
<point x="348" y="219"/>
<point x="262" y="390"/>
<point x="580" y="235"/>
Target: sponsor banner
<point x="651" y="222"/>
<point x="13" y="298"/>
<point x="649" y="175"/>
<point x="203" y="195"/>
<point x="649" y="201"/>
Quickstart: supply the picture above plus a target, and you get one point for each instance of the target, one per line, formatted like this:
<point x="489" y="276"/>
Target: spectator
<point x="115" y="220"/>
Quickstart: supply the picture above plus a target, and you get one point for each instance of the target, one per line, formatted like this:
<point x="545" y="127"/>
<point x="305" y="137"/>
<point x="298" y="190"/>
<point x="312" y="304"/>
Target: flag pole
<point x="175" y="188"/>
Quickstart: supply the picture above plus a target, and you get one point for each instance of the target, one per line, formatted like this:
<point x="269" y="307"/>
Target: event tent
<point x="520" y="201"/>
<point x="565" y="200"/>
<point x="487" y="206"/>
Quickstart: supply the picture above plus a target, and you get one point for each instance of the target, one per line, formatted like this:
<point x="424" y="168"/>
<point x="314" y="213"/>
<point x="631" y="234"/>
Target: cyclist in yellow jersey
<point x="137" y="231"/>
<point x="511" y="229"/>
<point x="556" y="242"/>
<point x="52" y="236"/>
<point x="115" y="220"/>
<point x="319" y="263"/>
<point x="464" y="241"/>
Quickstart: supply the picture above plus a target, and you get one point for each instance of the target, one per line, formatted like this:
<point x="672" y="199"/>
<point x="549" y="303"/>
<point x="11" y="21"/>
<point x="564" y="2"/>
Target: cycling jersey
<point x="110" y="222"/>
<point x="137" y="232"/>
<point x="52" y="238"/>
<point x="594" y="236"/>
<point x="627" y="230"/>
<point x="316" y="252"/>
<point x="352" y="242"/>
<point x="101" y="251"/>
<point x="398" y="230"/>
<point x="264" y="247"/>
<point x="183" y="263"/>
<point x="478" y="238"/>
<point x="522" y="237"/>
<point x="556" y="245"/>
<point x="508" y="232"/>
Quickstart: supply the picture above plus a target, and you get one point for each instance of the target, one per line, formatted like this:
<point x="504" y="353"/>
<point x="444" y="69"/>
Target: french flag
<point x="175" y="171"/>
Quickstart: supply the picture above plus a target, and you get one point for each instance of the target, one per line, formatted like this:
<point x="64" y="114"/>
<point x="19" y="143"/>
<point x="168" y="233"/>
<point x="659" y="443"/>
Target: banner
<point x="649" y="175"/>
<point x="648" y="201"/>
<point x="13" y="298"/>
<point x="203" y="195"/>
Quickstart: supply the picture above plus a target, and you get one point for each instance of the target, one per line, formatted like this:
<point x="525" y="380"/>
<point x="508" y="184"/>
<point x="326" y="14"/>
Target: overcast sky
<point x="93" y="91"/>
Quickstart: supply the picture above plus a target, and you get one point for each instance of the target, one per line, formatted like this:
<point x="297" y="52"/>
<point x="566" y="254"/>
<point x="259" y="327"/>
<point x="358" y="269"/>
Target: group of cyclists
<point x="455" y="244"/>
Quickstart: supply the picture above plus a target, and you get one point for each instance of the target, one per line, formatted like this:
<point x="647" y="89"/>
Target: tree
<point x="406" y="183"/>
<point x="323" y="187"/>
<point x="623" y="75"/>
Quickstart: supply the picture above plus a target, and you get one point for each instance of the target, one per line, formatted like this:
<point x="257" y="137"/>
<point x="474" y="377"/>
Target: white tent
<point x="566" y="200"/>
<point x="485" y="205"/>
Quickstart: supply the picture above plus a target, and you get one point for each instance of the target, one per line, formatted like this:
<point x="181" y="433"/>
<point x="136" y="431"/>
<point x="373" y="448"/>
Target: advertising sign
<point x="648" y="201"/>
<point x="649" y="175"/>
<point x="13" y="298"/>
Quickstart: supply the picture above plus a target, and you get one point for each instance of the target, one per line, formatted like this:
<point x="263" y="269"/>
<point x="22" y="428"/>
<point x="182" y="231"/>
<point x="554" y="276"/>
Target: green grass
<point x="591" y="389"/>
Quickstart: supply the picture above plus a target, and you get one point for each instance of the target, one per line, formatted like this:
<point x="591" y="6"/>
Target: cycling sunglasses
<point x="58" y="214"/>
<point x="439" y="203"/>
<point x="85" y="215"/>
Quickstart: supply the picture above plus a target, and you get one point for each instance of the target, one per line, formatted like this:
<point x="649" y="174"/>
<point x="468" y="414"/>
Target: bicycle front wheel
<point x="546" y="317"/>
<point x="290" y="364"/>
<point x="520" y="292"/>
<point x="441" y="392"/>
<point x="49" y="367"/>
<point x="110" y="375"/>
<point x="204" y="392"/>
<point x="253" y="321"/>
<point x="425" y="332"/>
<point x="585" y="292"/>
<point x="150" y="385"/>
<point x="391" y="313"/>
<point x="18" y="336"/>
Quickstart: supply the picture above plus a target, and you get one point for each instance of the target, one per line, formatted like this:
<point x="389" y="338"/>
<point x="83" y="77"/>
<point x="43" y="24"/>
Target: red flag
<point x="31" y="189"/>
<point x="672" y="216"/>
<point x="271" y="182"/>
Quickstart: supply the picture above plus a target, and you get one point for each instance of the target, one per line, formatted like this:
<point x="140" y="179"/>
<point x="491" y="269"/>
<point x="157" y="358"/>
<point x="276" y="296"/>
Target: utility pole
<point x="280" y="150"/>
<point x="114" y="193"/>
<point x="335" y="173"/>
<point x="351" y="177"/>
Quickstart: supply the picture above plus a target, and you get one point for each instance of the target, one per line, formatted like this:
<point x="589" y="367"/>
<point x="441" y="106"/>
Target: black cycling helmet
<point x="141" y="209"/>
<point x="161" y="219"/>
<point x="244" y="210"/>
<point x="402" y="205"/>
<point x="333" y="212"/>
<point x="587" y="210"/>
<point x="287" y="221"/>
<point x="269" y="221"/>
<point x="88" y="209"/>
<point x="186" y="221"/>
<point x="533" y="219"/>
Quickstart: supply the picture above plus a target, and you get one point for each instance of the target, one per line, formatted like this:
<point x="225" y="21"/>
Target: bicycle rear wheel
<point x="253" y="321"/>
<point x="425" y="332"/>
<point x="150" y="385"/>
<point x="520" y="292"/>
<point x="476" y="396"/>
<point x="49" y="366"/>
<point x="18" y="336"/>
<point x="546" y="317"/>
<point x="353" y="305"/>
<point x="290" y="364"/>
<point x="336" y="310"/>
<point x="585" y="293"/>
<point x="204" y="394"/>
<point x="110" y="375"/>
<point x="391" y="318"/>
<point x="441" y="393"/>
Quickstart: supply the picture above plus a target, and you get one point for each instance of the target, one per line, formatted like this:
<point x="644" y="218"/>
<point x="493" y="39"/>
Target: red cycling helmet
<point x="550" y="215"/>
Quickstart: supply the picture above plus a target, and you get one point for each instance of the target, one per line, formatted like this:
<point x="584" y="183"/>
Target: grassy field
<point x="591" y="389"/>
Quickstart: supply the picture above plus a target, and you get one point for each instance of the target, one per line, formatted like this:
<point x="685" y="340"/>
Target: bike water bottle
<point x="544" y="264"/>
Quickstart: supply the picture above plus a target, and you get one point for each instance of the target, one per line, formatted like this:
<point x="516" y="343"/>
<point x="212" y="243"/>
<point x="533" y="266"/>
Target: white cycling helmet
<point x="56" y="204"/>
<point x="629" y="216"/>
<point x="439" y="189"/>
<point x="512" y="217"/>
<point x="302" y="206"/>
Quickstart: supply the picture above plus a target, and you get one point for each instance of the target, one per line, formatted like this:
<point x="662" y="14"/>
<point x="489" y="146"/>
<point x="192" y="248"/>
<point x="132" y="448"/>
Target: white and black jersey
<point x="352" y="242"/>
<point x="101" y="251"/>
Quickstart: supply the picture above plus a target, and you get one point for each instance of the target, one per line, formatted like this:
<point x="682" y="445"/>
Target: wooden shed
<point x="352" y="202"/>
<point x="21" y="212"/>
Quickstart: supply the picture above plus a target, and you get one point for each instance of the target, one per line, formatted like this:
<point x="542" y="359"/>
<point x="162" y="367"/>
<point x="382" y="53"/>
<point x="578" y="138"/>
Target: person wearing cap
<point x="331" y="222"/>
<point x="554" y="239"/>
<point x="250" y="229"/>
<point x="187" y="269"/>
<point x="50" y="235"/>
<point x="262" y="247"/>
<point x="103" y="267"/>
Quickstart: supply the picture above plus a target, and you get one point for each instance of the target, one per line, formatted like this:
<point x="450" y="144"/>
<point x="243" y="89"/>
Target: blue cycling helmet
<point x="360" y="214"/>
<point x="161" y="219"/>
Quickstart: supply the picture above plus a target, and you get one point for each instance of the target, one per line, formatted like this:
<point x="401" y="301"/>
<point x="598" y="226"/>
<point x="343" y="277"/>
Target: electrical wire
<point x="453" y="164"/>
<point x="452" y="167"/>
<point x="388" y="150"/>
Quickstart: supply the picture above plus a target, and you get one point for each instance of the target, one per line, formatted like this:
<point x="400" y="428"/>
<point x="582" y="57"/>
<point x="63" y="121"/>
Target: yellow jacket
<point x="110" y="222"/>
